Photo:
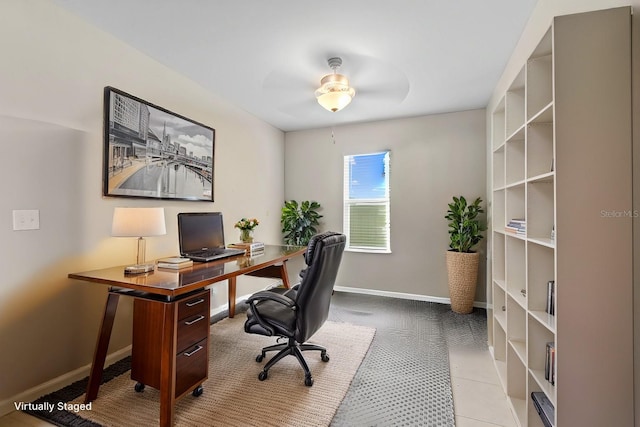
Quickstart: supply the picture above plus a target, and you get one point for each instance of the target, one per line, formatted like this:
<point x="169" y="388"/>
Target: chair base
<point x="291" y="348"/>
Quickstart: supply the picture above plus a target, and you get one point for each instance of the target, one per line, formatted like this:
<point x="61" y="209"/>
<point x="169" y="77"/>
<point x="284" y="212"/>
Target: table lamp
<point x="140" y="223"/>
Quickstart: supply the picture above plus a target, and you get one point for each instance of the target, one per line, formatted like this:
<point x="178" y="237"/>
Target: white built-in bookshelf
<point x="561" y="167"/>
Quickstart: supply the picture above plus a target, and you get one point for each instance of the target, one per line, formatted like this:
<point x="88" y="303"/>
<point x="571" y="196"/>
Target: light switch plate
<point x="28" y="219"/>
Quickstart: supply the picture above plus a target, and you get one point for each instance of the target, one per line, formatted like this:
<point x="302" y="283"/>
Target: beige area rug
<point x="233" y="395"/>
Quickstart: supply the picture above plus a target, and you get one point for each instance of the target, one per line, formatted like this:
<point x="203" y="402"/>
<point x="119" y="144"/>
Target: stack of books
<point x="175" y="263"/>
<point x="516" y="226"/>
<point x="251" y="249"/>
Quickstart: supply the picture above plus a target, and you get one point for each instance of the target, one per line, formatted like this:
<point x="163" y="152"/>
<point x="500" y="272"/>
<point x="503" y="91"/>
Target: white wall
<point x="53" y="70"/>
<point x="432" y="159"/>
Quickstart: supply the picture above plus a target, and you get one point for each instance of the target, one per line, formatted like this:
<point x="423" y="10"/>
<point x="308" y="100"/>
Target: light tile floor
<point x="478" y="398"/>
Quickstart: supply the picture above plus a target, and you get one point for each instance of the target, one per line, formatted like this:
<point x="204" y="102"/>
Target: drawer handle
<point x="195" y="350"/>
<point x="191" y="322"/>
<point x="192" y="303"/>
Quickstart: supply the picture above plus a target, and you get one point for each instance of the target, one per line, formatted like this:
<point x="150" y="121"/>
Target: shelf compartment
<point x="543" y="241"/>
<point x="498" y="134"/>
<point x="498" y="210"/>
<point x="533" y="418"/>
<point x="515" y="161"/>
<point x="539" y="84"/>
<point x="498" y="168"/>
<point x="539" y="383"/>
<point x="540" y="159"/>
<point x="541" y="269"/>
<point x="500" y="308"/>
<point x="498" y="267"/>
<point x="516" y="327"/>
<point x="499" y="352"/>
<point x="545" y="319"/>
<point x="515" y="105"/>
<point x="520" y="348"/>
<point x="515" y="203"/>
<point x="545" y="115"/>
<point x="516" y="266"/>
<point x="541" y="209"/>
<point x="516" y="384"/>
<point x="545" y="177"/>
<point x="538" y="337"/>
<point x="544" y="47"/>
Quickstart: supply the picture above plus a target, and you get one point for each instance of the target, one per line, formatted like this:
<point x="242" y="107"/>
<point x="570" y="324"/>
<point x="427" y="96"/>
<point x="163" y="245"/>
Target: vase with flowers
<point x="246" y="226"/>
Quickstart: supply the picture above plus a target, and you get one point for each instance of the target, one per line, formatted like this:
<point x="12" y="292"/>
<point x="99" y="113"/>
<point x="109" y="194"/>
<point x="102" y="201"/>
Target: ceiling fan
<point x="376" y="84"/>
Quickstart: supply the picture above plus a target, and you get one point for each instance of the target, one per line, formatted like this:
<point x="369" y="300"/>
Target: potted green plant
<point x="465" y="231"/>
<point x="299" y="221"/>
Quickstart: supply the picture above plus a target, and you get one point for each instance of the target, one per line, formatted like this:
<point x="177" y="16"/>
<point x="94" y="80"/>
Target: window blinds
<point x="366" y="202"/>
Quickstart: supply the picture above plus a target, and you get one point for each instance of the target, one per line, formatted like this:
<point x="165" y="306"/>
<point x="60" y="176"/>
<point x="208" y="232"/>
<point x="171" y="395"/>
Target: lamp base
<point x="139" y="269"/>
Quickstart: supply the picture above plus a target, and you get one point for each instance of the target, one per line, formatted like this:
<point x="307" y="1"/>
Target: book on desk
<point x="175" y="263"/>
<point x="250" y="248"/>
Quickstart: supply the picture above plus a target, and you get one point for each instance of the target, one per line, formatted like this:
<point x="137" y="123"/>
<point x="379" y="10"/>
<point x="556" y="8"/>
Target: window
<point x="366" y="202"/>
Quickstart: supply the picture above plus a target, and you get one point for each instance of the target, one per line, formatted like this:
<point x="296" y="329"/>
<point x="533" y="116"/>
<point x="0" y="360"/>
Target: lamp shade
<point x="138" y="222"/>
<point x="334" y="93"/>
<point x="334" y="101"/>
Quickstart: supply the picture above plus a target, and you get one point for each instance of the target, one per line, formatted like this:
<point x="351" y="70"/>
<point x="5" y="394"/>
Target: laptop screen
<point x="199" y="230"/>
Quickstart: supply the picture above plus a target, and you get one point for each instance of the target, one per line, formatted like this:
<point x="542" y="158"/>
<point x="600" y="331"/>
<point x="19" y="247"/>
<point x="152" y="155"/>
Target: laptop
<point x="201" y="237"/>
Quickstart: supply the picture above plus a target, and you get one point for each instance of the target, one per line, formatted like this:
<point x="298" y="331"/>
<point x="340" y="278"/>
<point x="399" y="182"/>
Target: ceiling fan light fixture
<point x="334" y="92"/>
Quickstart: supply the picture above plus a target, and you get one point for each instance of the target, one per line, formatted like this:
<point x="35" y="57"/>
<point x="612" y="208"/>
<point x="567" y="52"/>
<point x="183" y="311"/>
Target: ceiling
<point x="404" y="58"/>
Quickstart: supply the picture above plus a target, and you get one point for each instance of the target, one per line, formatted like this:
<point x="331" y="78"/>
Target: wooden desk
<point x="162" y="299"/>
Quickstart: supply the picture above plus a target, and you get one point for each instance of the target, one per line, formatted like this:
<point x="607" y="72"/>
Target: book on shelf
<point x="250" y="248"/>
<point x="175" y="263"/>
<point x="544" y="408"/>
<point x="551" y="297"/>
<point x="550" y="363"/>
<point x="516" y="226"/>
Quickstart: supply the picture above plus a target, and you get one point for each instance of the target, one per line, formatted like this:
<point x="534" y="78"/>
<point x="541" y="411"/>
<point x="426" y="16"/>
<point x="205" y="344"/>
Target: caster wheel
<point x="308" y="381"/>
<point x="324" y="357"/>
<point x="139" y="387"/>
<point x="262" y="376"/>
<point x="259" y="358"/>
<point x="197" y="391"/>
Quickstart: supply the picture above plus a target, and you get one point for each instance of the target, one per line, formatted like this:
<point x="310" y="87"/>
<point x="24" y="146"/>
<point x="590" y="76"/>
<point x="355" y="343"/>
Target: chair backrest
<point x="323" y="257"/>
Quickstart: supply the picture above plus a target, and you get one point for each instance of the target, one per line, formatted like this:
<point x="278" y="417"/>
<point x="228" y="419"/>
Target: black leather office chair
<point x="297" y="313"/>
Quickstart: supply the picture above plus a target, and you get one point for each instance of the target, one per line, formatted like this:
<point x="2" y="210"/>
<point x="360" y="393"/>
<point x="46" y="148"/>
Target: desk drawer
<point x="194" y="305"/>
<point x="191" y="330"/>
<point x="192" y="367"/>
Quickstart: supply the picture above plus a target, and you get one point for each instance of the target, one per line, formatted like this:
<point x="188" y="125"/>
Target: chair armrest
<point x="268" y="296"/>
<point x="271" y="296"/>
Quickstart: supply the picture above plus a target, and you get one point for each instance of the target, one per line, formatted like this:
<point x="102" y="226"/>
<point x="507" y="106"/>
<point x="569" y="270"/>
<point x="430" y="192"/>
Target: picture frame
<point x="153" y="153"/>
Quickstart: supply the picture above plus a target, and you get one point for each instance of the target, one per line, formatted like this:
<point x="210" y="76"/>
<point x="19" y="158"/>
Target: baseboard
<point x="57" y="383"/>
<point x="224" y="307"/>
<point x="403" y="295"/>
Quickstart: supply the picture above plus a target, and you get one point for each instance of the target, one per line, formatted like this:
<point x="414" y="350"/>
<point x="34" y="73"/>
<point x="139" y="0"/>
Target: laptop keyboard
<point x="212" y="254"/>
<point x="206" y="254"/>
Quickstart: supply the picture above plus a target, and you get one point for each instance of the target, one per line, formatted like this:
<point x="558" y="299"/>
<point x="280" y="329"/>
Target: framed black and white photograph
<point x="151" y="152"/>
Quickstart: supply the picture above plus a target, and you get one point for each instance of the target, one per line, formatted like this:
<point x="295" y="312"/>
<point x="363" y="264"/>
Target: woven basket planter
<point x="462" y="269"/>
